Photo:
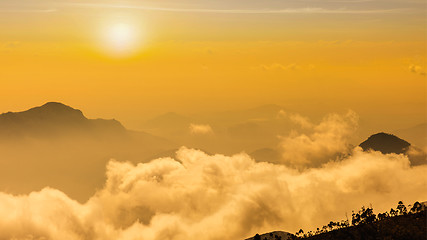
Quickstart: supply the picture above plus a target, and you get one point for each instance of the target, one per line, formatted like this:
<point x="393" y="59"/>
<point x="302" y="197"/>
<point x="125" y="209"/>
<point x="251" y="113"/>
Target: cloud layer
<point x="200" y="196"/>
<point x="325" y="141"/>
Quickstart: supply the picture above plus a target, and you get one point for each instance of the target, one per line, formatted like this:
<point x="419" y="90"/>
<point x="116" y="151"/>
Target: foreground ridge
<point x="403" y="223"/>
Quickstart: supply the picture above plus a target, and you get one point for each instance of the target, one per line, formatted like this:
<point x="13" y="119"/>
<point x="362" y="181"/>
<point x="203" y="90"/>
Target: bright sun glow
<point x="122" y="39"/>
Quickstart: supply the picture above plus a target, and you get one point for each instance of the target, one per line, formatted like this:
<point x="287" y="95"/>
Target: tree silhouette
<point x="393" y="212"/>
<point x="366" y="219"/>
<point x="416" y="207"/>
<point x="402" y="208"/>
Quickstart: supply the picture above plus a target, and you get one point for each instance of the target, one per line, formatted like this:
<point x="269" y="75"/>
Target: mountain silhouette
<point x="276" y="235"/>
<point x="61" y="148"/>
<point x="54" y="119"/>
<point x="385" y="143"/>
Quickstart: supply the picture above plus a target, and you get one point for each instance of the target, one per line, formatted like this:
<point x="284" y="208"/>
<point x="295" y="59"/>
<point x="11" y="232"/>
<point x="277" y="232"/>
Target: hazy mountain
<point x="168" y="121"/>
<point x="52" y="120"/>
<point x="56" y="145"/>
<point x="264" y="112"/>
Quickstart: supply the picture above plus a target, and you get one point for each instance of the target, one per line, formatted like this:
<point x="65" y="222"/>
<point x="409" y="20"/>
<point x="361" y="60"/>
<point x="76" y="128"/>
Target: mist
<point x="213" y="197"/>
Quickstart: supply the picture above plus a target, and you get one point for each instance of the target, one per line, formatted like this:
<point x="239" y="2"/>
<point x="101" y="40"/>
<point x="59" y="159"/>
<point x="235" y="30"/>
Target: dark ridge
<point x="277" y="235"/>
<point x="385" y="143"/>
<point x="404" y="227"/>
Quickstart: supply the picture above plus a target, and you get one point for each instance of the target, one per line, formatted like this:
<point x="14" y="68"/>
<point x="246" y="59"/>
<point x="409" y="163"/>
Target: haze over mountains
<point x="62" y="148"/>
<point x="258" y="170"/>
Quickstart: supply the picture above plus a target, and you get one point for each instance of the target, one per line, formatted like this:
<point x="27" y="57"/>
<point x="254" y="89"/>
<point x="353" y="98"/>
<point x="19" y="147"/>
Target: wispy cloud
<point x="237" y="11"/>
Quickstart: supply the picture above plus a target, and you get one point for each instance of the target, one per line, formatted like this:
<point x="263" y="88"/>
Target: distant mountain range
<point x="56" y="145"/>
<point x="59" y="147"/>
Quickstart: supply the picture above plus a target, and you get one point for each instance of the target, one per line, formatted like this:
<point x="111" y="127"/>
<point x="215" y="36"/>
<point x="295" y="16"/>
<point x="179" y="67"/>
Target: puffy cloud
<point x="200" y="129"/>
<point x="326" y="141"/>
<point x="200" y="196"/>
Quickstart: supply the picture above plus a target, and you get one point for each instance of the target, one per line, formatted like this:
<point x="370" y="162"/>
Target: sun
<point x="122" y="39"/>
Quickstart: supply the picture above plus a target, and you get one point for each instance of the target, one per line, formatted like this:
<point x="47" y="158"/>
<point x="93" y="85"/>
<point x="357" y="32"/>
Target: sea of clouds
<point x="205" y="197"/>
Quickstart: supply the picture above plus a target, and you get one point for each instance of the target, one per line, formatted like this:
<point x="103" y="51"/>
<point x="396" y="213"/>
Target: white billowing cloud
<point x="200" y="196"/>
<point x="200" y="129"/>
<point x="327" y="140"/>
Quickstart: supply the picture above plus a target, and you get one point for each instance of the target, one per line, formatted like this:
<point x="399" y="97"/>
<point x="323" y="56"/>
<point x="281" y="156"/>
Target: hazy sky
<point x="133" y="59"/>
<point x="352" y="61"/>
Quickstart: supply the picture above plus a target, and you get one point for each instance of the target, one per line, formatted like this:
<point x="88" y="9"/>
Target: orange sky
<point x="196" y="57"/>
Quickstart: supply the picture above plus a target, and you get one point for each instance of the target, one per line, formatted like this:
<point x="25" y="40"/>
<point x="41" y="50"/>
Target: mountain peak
<point x="55" y="106"/>
<point x="385" y="143"/>
<point x="53" y="119"/>
<point x="54" y="110"/>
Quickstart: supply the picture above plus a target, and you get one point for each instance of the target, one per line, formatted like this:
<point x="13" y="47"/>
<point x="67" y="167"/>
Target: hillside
<point x="276" y="235"/>
<point x="404" y="227"/>
<point x="404" y="223"/>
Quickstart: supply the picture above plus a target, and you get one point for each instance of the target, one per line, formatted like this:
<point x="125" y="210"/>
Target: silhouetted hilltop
<point x="403" y="223"/>
<point x="404" y="227"/>
<point x="385" y="143"/>
<point x="53" y="119"/>
<point x="276" y="235"/>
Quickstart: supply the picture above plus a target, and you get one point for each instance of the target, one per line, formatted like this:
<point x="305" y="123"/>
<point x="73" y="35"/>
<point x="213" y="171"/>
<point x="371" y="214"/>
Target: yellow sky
<point x="369" y="59"/>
